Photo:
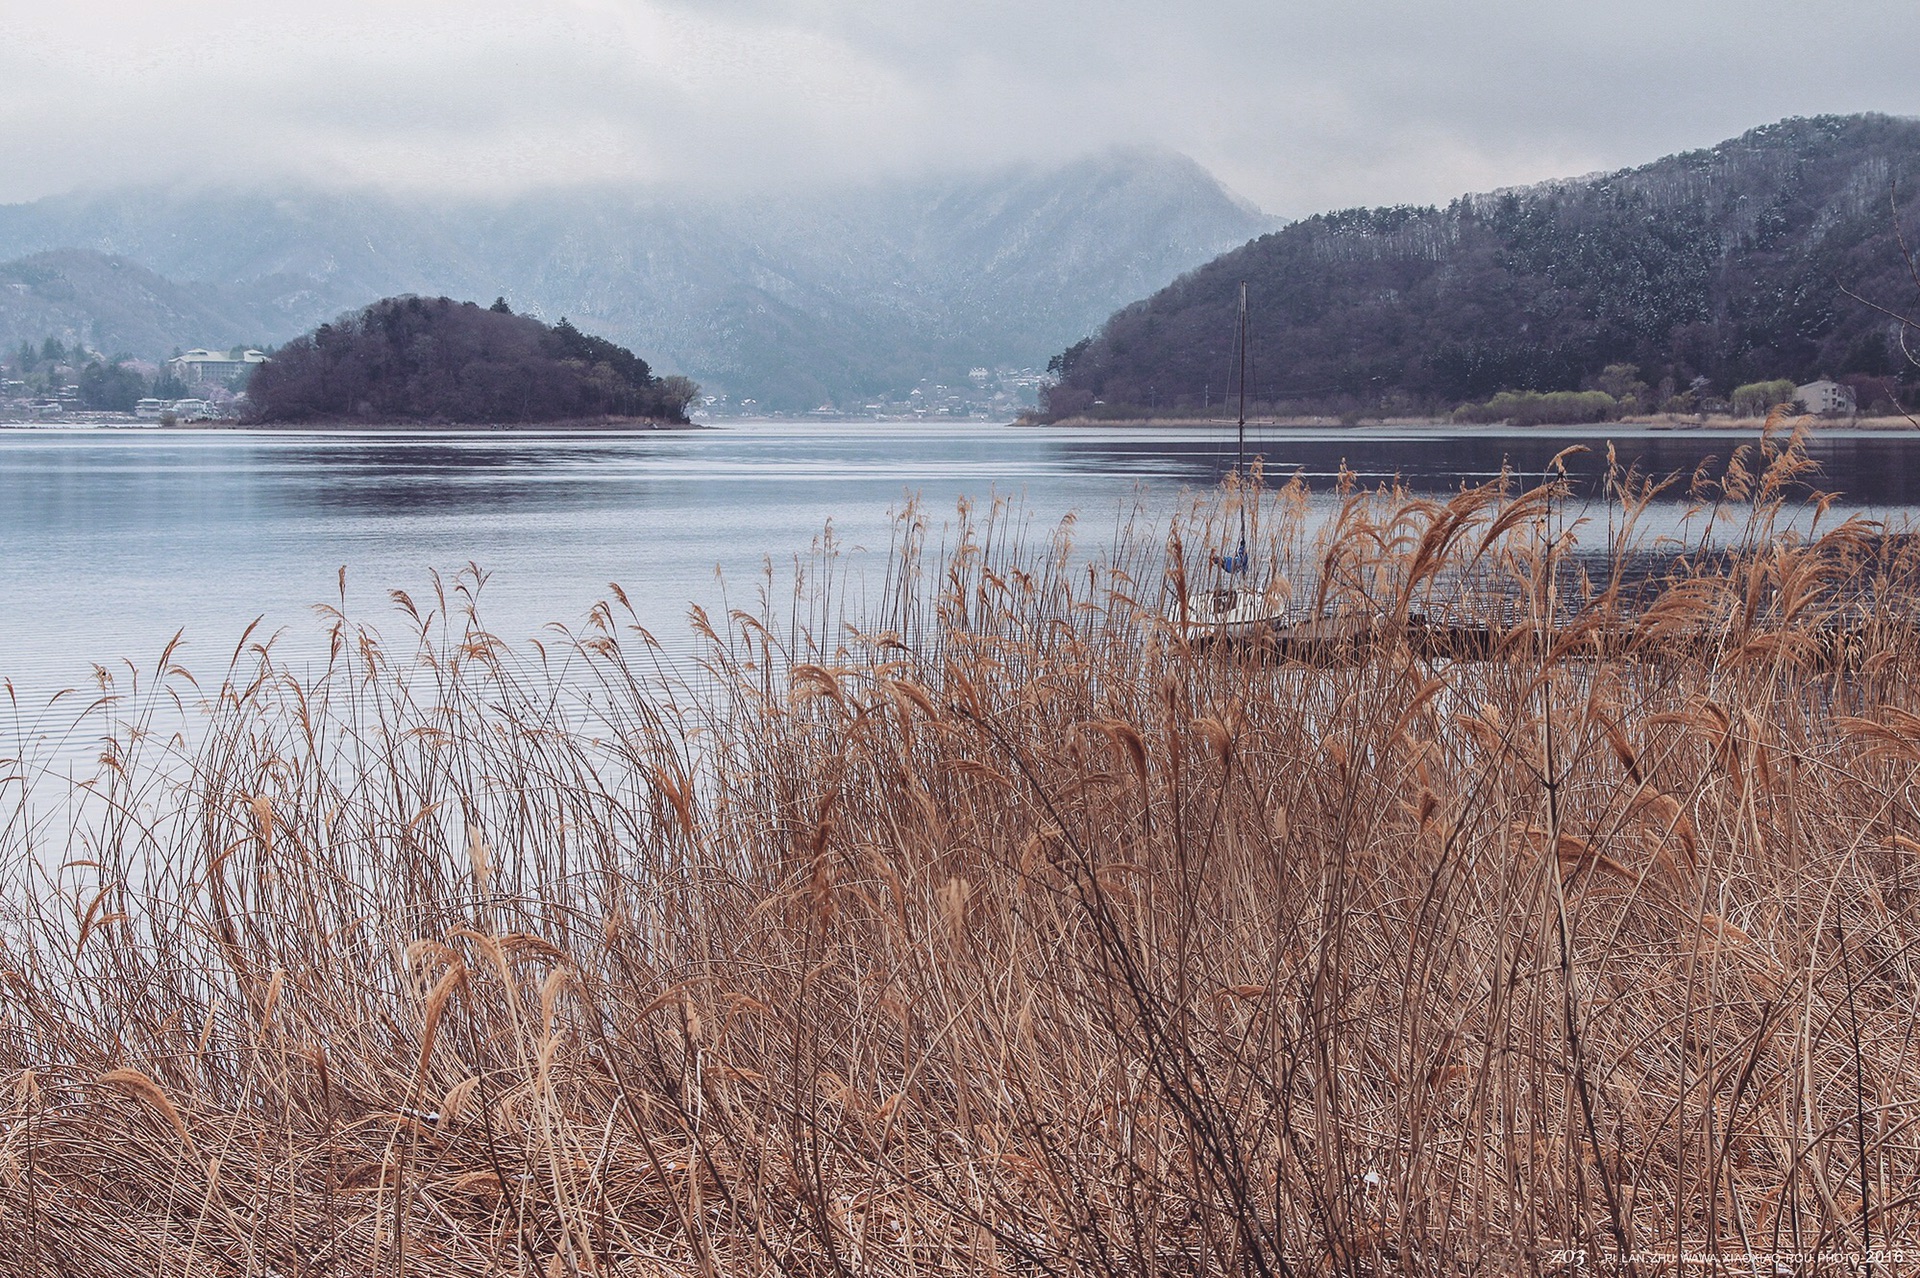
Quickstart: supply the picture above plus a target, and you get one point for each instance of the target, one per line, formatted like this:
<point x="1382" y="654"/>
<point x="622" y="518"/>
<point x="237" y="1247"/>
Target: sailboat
<point x="1234" y="605"/>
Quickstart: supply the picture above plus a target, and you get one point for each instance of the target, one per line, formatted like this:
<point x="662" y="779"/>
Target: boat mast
<point x="1240" y="452"/>
<point x="1240" y="448"/>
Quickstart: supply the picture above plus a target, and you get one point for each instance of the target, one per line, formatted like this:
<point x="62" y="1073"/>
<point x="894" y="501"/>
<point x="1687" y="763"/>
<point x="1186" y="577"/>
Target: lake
<point x="114" y="539"/>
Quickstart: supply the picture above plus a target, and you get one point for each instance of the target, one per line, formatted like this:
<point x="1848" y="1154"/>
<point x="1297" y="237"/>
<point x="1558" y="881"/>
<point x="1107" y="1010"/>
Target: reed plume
<point x="998" y="926"/>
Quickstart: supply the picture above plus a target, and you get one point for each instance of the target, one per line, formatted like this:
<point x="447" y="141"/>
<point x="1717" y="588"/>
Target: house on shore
<point x="1825" y="398"/>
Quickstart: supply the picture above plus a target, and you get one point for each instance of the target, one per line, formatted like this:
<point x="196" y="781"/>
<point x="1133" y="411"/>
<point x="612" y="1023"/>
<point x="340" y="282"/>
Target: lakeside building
<point x="1001" y="392"/>
<point x="186" y="410"/>
<point x="1825" y="397"/>
<point x="204" y="368"/>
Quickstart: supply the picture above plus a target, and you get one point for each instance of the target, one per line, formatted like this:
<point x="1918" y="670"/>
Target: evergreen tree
<point x="111" y="388"/>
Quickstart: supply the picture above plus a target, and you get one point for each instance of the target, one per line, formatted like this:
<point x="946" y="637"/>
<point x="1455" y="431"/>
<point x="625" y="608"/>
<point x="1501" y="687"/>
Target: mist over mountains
<point x="794" y="300"/>
<point x="122" y="307"/>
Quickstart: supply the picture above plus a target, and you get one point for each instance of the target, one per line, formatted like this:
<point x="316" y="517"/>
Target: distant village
<point x="60" y="382"/>
<point x="987" y="394"/>
<point x="55" y="382"/>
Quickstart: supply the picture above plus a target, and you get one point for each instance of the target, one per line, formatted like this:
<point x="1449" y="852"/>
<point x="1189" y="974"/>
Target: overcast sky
<point x="1299" y="105"/>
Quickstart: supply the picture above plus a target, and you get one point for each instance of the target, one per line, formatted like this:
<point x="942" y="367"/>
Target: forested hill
<point x="434" y="361"/>
<point x="1725" y="264"/>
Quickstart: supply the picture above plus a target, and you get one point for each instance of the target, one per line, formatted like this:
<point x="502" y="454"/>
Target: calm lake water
<point x="111" y="540"/>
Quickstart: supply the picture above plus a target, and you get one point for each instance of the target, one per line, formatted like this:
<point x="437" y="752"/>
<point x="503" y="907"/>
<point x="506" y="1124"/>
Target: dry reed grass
<point x="1004" y="931"/>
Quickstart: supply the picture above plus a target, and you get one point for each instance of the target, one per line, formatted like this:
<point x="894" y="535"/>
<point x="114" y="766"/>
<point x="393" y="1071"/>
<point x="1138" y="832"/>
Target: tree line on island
<point x="437" y="361"/>
<point x="1700" y="282"/>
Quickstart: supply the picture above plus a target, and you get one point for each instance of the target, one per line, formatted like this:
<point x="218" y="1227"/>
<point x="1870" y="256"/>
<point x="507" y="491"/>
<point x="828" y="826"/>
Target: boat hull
<point x="1230" y="612"/>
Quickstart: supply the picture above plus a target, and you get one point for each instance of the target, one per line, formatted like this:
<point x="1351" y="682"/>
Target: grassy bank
<point x="998" y="929"/>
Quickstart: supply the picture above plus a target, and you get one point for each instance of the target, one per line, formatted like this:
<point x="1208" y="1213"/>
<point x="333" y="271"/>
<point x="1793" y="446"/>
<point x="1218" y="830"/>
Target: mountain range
<point x="793" y="300"/>
<point x="1701" y="271"/>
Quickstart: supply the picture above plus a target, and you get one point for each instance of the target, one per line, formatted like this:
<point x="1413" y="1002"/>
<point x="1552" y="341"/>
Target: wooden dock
<point x="1349" y="640"/>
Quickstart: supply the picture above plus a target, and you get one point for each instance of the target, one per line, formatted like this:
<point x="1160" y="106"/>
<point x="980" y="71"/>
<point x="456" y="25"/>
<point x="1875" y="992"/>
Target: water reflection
<point x="1433" y="463"/>
<point x="114" y="539"/>
<point x="1879" y="470"/>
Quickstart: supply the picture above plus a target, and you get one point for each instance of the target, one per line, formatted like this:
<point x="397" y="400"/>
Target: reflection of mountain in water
<point x="477" y="472"/>
<point x="420" y="478"/>
<point x="1869" y="469"/>
<point x="1872" y="471"/>
<point x="1432" y="464"/>
<point x="210" y="530"/>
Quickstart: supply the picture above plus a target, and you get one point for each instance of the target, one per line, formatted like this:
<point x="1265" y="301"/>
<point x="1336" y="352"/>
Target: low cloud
<point x="1299" y="106"/>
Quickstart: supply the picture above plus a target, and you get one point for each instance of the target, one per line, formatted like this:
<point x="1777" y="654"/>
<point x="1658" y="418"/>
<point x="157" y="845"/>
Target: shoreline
<point x="1660" y="422"/>
<point x="610" y="425"/>
<point x="638" y="425"/>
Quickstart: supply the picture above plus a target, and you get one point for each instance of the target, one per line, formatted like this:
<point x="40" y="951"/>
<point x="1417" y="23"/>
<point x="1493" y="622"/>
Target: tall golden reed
<point x="1000" y="928"/>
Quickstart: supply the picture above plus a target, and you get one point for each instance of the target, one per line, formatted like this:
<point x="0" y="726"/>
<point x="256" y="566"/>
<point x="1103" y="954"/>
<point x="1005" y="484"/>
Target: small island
<point x="436" y="362"/>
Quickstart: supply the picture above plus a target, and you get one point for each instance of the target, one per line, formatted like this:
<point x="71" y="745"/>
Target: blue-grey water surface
<point x="111" y="540"/>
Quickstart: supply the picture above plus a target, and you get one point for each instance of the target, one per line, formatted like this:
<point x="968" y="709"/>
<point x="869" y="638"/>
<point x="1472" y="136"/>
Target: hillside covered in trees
<point x="1729" y="265"/>
<point x="434" y="361"/>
